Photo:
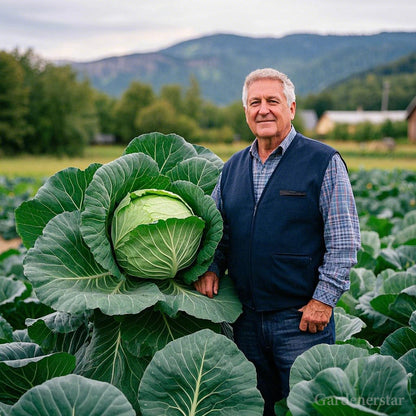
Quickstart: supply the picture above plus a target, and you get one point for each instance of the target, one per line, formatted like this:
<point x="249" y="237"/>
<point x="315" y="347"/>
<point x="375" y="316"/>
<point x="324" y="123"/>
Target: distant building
<point x="102" y="138"/>
<point x="411" y="121"/>
<point x="330" y="118"/>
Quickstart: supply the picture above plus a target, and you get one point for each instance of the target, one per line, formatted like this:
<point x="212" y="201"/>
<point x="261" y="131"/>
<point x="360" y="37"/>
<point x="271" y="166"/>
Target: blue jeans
<point x="272" y="341"/>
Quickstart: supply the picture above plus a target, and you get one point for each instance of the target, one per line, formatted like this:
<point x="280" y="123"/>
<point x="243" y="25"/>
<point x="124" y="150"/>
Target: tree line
<point x="47" y="109"/>
<point x="43" y="107"/>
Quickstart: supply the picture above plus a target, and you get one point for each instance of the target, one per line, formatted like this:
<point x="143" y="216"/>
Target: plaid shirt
<point x="341" y="224"/>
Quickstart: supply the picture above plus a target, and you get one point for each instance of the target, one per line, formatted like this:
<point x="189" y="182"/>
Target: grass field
<point x="357" y="156"/>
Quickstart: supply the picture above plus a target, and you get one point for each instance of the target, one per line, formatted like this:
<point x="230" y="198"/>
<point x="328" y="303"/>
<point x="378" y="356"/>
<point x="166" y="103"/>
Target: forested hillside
<point x="220" y="62"/>
<point x="396" y="81"/>
<point x="47" y="109"/>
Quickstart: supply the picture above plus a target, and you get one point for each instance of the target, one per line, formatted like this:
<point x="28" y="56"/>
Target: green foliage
<point x="47" y="109"/>
<point x="366" y="89"/>
<point x="157" y="352"/>
<point x="340" y="132"/>
<point x="13" y="191"/>
<point x="162" y="116"/>
<point x="128" y="108"/>
<point x="319" y="102"/>
<point x="367" y="132"/>
<point x="373" y="385"/>
<point x="105" y="108"/>
<point x="215" y="135"/>
<point x="193" y="100"/>
<point x="23" y="365"/>
<point x="13" y="105"/>
<point x="383" y="197"/>
<point x="173" y="94"/>
<point x="236" y="119"/>
<point x="73" y="394"/>
<point x="202" y="373"/>
<point x="178" y="110"/>
<point x="112" y="322"/>
<point x="62" y="113"/>
<point x="371" y="369"/>
<point x="44" y="109"/>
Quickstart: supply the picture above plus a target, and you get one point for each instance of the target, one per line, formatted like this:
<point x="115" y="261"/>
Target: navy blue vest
<point x="276" y="246"/>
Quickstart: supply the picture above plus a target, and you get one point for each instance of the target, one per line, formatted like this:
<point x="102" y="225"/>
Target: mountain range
<point x="220" y="62"/>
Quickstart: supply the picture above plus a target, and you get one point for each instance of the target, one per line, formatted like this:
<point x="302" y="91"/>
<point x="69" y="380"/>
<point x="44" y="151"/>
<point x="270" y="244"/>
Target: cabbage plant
<point x="348" y="380"/>
<point x="106" y="238"/>
<point x="114" y="250"/>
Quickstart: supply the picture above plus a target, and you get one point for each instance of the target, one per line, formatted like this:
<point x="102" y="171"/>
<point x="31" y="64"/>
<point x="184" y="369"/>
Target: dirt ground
<point x="8" y="244"/>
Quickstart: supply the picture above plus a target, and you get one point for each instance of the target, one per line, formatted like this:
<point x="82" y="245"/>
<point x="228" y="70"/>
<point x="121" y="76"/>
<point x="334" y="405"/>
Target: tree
<point x="173" y="94"/>
<point x="193" y="100"/>
<point x="320" y="103"/>
<point x="237" y="121"/>
<point x="62" y="113"/>
<point x="133" y="101"/>
<point x="13" y="105"/>
<point x="161" y="116"/>
<point x="105" y="107"/>
<point x="212" y="117"/>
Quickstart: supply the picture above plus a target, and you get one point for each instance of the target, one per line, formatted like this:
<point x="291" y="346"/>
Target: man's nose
<point x="264" y="108"/>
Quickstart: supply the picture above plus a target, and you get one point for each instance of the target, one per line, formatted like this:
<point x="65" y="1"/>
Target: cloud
<point x="87" y="30"/>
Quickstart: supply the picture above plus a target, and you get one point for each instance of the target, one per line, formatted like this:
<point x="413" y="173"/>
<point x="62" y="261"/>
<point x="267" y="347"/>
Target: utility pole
<point x="385" y="97"/>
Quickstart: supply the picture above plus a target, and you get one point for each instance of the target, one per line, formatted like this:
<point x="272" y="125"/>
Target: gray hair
<point x="270" y="73"/>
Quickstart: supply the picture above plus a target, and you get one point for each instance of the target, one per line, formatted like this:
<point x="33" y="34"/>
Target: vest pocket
<point x="286" y="192"/>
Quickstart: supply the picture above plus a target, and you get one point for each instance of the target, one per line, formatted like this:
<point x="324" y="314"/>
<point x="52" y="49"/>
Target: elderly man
<point x="291" y="235"/>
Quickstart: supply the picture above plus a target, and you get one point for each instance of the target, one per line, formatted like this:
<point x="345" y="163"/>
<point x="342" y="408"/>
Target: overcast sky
<point x="85" y="30"/>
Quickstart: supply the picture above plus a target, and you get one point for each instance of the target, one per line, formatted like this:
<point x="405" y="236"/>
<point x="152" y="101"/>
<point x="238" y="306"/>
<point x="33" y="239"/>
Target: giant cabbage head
<point x="155" y="234"/>
<point x="129" y="234"/>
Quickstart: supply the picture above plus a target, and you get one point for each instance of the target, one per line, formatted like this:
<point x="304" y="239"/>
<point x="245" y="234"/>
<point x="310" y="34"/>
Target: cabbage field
<point x="80" y="335"/>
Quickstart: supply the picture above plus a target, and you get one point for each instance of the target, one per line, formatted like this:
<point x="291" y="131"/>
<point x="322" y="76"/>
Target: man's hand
<point x="207" y="284"/>
<point x="315" y="316"/>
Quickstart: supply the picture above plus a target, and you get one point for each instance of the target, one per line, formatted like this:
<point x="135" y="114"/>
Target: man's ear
<point x="245" y="112"/>
<point x="293" y="110"/>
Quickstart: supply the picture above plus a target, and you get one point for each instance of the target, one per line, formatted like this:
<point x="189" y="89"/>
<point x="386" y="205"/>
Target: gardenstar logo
<point x="322" y="400"/>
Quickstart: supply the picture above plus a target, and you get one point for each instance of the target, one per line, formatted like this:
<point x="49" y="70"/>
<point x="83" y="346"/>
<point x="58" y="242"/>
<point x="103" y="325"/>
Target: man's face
<point x="267" y="112"/>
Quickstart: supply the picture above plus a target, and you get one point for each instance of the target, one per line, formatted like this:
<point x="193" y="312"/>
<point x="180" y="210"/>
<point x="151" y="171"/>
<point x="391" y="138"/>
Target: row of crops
<point x="104" y="362"/>
<point x="371" y="368"/>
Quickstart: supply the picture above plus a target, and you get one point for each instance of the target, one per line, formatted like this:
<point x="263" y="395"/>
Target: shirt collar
<point x="280" y="149"/>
